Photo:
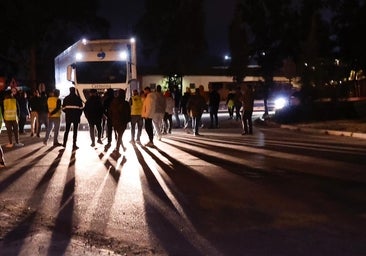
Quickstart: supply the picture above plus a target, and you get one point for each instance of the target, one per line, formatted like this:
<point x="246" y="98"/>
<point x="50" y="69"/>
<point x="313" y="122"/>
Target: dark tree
<point x="239" y="48"/>
<point x="34" y="32"/>
<point x="172" y="32"/>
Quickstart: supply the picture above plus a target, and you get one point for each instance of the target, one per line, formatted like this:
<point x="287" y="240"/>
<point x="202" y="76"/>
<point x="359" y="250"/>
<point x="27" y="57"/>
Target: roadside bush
<point x="318" y="111"/>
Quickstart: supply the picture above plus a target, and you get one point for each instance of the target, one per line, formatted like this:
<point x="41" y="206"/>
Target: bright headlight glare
<point x="78" y="56"/>
<point x="123" y="55"/>
<point x="280" y="103"/>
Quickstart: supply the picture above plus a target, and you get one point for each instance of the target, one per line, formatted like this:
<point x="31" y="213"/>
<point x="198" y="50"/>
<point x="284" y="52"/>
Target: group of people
<point x="151" y="109"/>
<point x="241" y="101"/>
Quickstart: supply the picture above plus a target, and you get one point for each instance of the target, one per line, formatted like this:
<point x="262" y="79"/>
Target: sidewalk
<point x="349" y="128"/>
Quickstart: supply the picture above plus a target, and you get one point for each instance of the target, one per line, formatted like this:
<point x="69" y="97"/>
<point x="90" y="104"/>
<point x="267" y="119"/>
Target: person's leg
<point x="48" y="131"/>
<point x="140" y="123"/>
<point x="92" y="133"/>
<point x="211" y="119"/>
<point x="32" y="122"/>
<point x="22" y="121"/>
<point x="56" y="130"/>
<point x="133" y="127"/>
<point x="170" y="123"/>
<point x="195" y="125"/>
<point x="109" y="132"/>
<point x="118" y="140"/>
<point x="66" y="133"/>
<point x="245" y="122"/>
<point x="198" y="121"/>
<point x="157" y="122"/>
<point x="98" y="125"/>
<point x="9" y="131"/>
<point x="149" y="129"/>
<point x="16" y="131"/>
<point x="216" y="118"/>
<point x="75" y="126"/>
<point x="250" y="122"/>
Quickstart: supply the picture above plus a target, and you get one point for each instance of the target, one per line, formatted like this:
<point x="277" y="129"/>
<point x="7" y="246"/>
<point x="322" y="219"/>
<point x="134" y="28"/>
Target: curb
<point x="324" y="131"/>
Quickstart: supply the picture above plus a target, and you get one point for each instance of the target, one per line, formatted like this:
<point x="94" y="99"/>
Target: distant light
<point x="132" y="40"/>
<point x="84" y="41"/>
<point x="227" y="57"/>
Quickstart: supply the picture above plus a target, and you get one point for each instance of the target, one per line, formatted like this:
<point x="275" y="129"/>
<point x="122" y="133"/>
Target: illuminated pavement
<point x="179" y="192"/>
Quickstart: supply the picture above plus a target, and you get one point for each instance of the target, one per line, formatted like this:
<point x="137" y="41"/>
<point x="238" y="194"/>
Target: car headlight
<point x="280" y="103"/>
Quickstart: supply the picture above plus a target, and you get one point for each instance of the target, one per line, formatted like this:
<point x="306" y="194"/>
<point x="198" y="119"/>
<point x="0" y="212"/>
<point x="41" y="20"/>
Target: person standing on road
<point x="42" y="113"/>
<point x="195" y="106"/>
<point x="183" y="108"/>
<point x="24" y="110"/>
<point x="93" y="111"/>
<point x="168" y="116"/>
<point x="158" y="112"/>
<point x="248" y="105"/>
<point x="213" y="107"/>
<point x="108" y="98"/>
<point x="73" y="108"/>
<point x="136" y="103"/>
<point x="237" y="103"/>
<point x="10" y="108"/>
<point x="120" y="112"/>
<point x="177" y="96"/>
<point x="54" y="117"/>
<point x="34" y="106"/>
<point x="230" y="105"/>
<point x="147" y="114"/>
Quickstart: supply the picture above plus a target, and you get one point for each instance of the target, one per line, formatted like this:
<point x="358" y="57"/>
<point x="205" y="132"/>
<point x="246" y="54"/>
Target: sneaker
<point x="57" y="144"/>
<point x="132" y="141"/>
<point x="19" y="144"/>
<point x="138" y="142"/>
<point x="74" y="147"/>
<point x="100" y="141"/>
<point x="150" y="144"/>
<point x="9" y="145"/>
<point x="32" y="134"/>
<point x="93" y="144"/>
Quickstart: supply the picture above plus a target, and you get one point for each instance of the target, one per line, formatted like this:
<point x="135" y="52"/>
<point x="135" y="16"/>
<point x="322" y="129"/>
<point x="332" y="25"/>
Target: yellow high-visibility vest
<point x="10" y="109"/>
<point x="52" y="104"/>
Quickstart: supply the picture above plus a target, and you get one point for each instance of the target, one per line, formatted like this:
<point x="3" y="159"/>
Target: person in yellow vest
<point x="10" y="111"/>
<point x="136" y="119"/>
<point x="54" y="117"/>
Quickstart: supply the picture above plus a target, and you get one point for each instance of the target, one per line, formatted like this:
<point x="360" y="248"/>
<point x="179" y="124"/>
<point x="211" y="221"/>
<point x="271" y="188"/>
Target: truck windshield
<point x="101" y="72"/>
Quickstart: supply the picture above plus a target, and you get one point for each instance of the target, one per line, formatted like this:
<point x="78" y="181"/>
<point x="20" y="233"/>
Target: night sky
<point x="124" y="14"/>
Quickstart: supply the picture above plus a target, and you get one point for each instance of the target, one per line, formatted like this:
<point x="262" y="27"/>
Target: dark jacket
<point x="196" y="105"/>
<point x="120" y="112"/>
<point x="214" y="101"/>
<point x="73" y="107"/>
<point x="93" y="109"/>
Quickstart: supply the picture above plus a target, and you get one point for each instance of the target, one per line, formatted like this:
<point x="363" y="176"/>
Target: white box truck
<point x="96" y="64"/>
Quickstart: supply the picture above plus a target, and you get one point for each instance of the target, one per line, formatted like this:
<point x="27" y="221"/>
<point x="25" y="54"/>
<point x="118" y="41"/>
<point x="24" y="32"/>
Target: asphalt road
<point x="277" y="192"/>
